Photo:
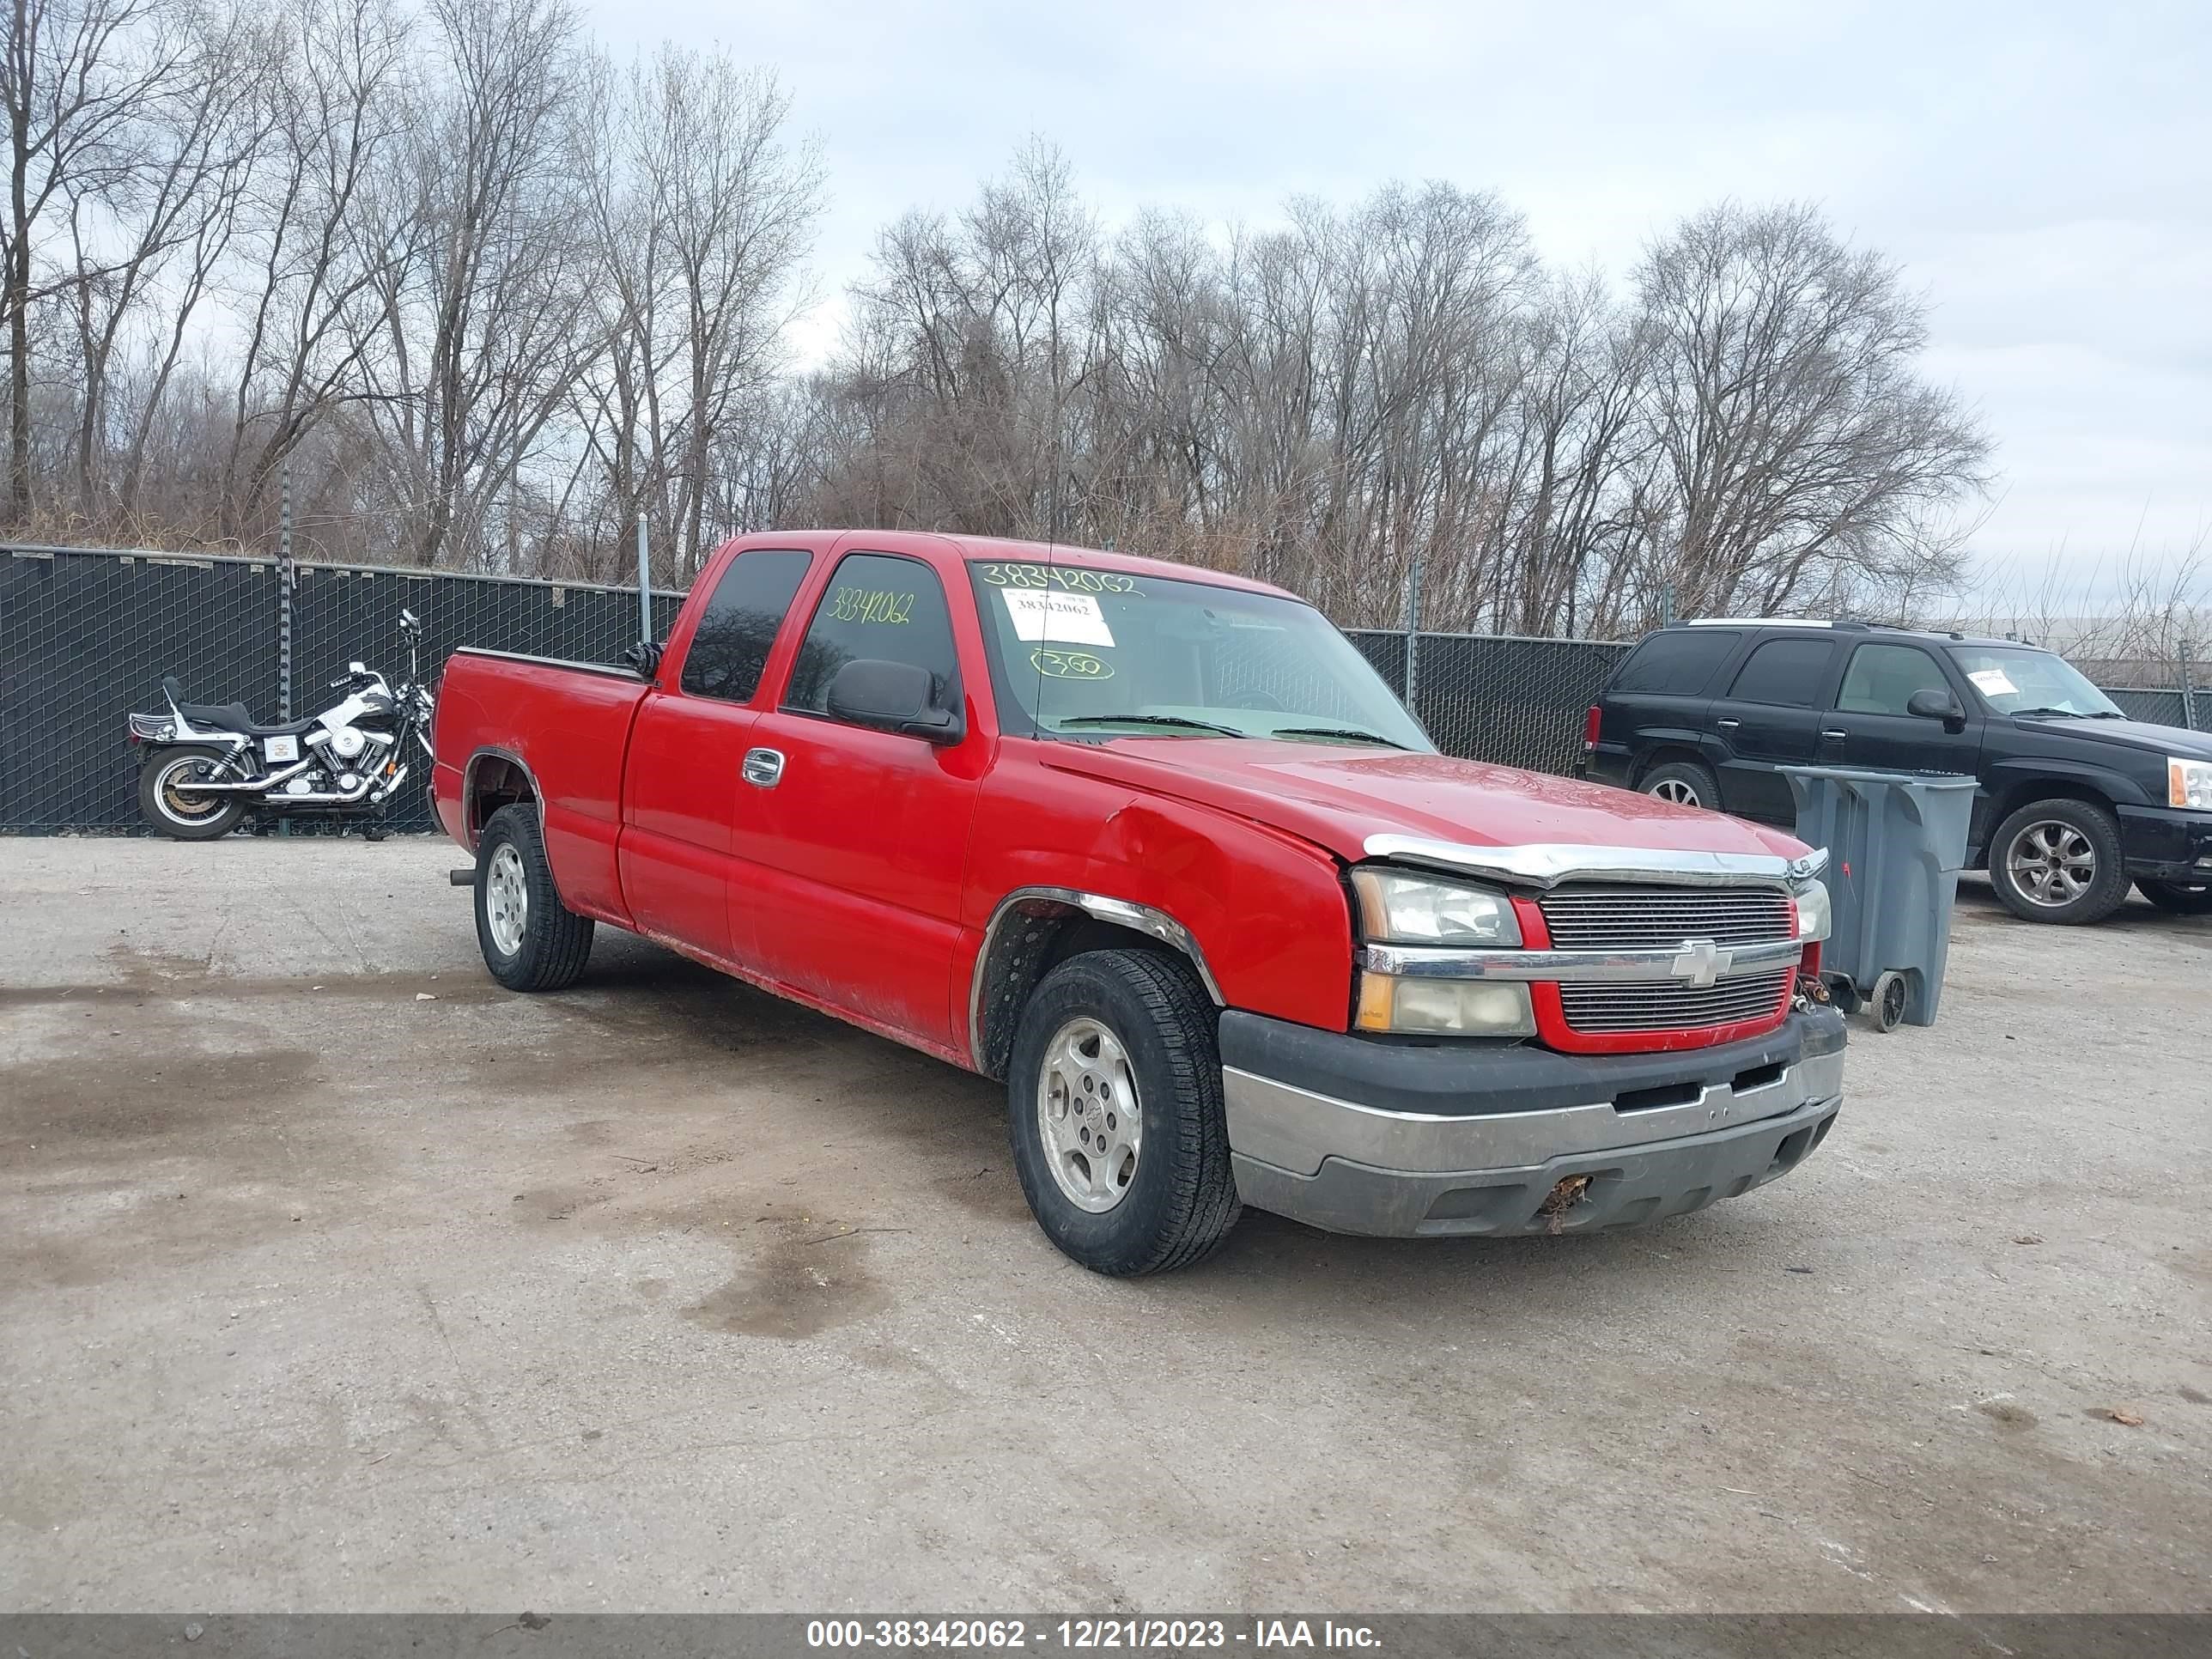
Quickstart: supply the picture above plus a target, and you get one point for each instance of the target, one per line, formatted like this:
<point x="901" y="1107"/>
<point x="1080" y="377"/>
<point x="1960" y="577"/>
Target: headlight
<point x="1412" y="910"/>
<point x="1399" y="909"/>
<point x="1813" y="917"/>
<point x="1463" y="1007"/>
<point x="2189" y="783"/>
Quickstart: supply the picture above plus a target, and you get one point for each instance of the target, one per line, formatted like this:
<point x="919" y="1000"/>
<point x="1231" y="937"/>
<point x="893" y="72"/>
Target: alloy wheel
<point x="1680" y="791"/>
<point x="194" y="807"/>
<point x="1089" y="1118"/>
<point x="507" y="899"/>
<point x="2051" y="863"/>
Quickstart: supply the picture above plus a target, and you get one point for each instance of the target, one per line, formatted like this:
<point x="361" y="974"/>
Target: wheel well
<point x="1659" y="757"/>
<point x="2019" y="794"/>
<point x="494" y="782"/>
<point x="1034" y="937"/>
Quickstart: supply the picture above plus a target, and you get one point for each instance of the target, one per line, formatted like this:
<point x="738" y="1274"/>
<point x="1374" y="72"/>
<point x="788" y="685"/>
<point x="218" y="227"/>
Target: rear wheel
<point x="166" y="800"/>
<point x="2059" y="861"/>
<point x="531" y="940"/>
<point x="1115" y="1115"/>
<point x="1686" y="783"/>
<point x="2179" y="898"/>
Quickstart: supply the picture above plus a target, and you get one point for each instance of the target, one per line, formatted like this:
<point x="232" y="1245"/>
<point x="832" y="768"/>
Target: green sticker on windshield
<point x="1069" y="665"/>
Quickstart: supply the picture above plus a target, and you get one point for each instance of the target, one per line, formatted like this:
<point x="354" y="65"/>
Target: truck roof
<point x="985" y="549"/>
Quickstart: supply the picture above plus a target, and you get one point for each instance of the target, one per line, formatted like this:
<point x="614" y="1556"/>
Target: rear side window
<point x="1882" y="678"/>
<point x="1676" y="664"/>
<point x="881" y="607"/>
<point x="1788" y="672"/>
<point x="748" y="605"/>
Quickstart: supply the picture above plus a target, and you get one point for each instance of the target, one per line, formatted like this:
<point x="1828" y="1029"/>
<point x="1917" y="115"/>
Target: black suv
<point x="2076" y="799"/>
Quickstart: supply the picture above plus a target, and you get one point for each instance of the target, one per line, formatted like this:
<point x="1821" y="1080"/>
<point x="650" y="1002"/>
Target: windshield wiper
<point x="1358" y="734"/>
<point x="2044" y="708"/>
<point x="1188" y="725"/>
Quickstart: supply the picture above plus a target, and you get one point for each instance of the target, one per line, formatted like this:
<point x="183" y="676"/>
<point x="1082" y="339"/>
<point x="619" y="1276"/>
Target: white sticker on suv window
<point x="1993" y="683"/>
<point x="1066" y="618"/>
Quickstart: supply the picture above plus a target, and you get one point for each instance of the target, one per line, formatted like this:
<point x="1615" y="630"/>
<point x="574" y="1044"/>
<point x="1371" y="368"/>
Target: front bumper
<point x="1401" y="1140"/>
<point x="2166" y="843"/>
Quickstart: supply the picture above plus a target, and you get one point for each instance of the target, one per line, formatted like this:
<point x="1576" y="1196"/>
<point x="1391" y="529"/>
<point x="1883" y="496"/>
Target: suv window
<point x="1788" y="672"/>
<point x="881" y="607"/>
<point x="730" y="647"/>
<point x="1680" y="664"/>
<point x="1882" y="678"/>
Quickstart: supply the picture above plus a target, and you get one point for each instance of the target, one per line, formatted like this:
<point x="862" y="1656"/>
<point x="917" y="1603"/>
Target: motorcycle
<point x="210" y="764"/>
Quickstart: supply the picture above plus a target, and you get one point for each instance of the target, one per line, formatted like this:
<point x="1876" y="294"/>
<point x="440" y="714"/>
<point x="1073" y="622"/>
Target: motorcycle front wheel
<point x="178" y="812"/>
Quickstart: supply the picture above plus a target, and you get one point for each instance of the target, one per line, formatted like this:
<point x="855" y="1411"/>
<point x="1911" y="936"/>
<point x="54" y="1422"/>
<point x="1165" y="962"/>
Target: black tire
<point x="171" y="815"/>
<point x="2178" y="899"/>
<point x="2045" y="837"/>
<point x="551" y="942"/>
<point x="1689" y="783"/>
<point x="1180" y="1202"/>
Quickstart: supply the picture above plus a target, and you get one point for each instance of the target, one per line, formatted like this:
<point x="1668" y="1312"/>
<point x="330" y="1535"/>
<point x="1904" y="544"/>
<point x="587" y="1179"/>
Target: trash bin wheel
<point x="1886" y="1005"/>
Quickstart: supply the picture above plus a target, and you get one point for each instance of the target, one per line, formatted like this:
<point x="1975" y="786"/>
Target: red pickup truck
<point x="1158" y="848"/>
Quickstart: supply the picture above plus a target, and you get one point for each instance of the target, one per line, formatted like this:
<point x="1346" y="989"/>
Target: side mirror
<point x="894" y="697"/>
<point x="410" y="622"/>
<point x="1933" y="705"/>
<point x="357" y="668"/>
<point x="643" y="659"/>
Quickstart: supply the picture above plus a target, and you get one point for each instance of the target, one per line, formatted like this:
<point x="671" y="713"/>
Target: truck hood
<point x="2136" y="734"/>
<point x="1338" y="796"/>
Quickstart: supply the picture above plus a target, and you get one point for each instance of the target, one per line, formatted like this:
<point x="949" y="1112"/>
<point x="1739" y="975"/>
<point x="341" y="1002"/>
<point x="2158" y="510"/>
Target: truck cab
<point x="1155" y="845"/>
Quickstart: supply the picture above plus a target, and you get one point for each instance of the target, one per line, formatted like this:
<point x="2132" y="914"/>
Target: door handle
<point x="1727" y="725"/>
<point x="1830" y="731"/>
<point x="763" y="768"/>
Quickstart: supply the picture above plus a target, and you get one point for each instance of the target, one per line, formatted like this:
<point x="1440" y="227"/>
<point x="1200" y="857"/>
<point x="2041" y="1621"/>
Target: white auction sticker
<point x="1065" y="618"/>
<point x="1993" y="683"/>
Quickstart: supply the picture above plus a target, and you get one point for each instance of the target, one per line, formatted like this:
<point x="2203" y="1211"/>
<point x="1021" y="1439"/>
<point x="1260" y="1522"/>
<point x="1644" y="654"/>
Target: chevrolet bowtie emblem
<point x="1702" y="963"/>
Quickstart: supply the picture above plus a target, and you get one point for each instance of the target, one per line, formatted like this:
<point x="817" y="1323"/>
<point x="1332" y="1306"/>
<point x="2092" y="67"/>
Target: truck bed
<point x="572" y="719"/>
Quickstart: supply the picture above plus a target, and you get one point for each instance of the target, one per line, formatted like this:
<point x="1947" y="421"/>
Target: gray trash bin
<point x="1896" y="842"/>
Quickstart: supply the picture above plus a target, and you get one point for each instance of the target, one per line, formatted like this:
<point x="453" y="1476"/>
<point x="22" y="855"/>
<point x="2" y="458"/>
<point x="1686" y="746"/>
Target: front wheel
<point x="1115" y="1101"/>
<point x="2059" y="861"/>
<point x="168" y="803"/>
<point x="531" y="940"/>
<point x="2178" y="899"/>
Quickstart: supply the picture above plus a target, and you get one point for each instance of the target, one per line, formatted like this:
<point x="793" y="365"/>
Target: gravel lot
<point x="332" y="1277"/>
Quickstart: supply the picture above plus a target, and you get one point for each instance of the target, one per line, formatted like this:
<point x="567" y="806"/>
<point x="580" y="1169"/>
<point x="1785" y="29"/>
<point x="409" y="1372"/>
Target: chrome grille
<point x="1661" y="1007"/>
<point x="1657" y="919"/>
<point x="1653" y="918"/>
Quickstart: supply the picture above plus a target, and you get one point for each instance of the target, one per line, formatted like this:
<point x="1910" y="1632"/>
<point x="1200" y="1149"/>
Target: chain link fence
<point x="86" y="636"/>
<point x="1492" y="697"/>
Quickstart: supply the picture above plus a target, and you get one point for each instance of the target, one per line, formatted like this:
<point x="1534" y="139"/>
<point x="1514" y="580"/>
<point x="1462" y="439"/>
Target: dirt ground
<point x="332" y="1277"/>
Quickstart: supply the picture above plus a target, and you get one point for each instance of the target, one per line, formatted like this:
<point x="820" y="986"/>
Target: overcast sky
<point x="2044" y="170"/>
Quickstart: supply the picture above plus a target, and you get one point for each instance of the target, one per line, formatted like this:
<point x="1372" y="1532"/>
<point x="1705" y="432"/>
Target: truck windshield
<point x="2022" y="680"/>
<point x="1100" y="653"/>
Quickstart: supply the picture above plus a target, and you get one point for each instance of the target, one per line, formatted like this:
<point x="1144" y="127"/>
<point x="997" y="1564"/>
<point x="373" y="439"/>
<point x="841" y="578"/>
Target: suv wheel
<point x="2179" y="898"/>
<point x="1686" y="783"/>
<point x="1114" y="1102"/>
<point x="2059" y="861"/>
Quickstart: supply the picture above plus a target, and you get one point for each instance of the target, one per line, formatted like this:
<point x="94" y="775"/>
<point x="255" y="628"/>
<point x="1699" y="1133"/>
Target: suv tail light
<point x="1590" y="724"/>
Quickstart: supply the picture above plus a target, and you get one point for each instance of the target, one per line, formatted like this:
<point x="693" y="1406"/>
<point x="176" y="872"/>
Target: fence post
<point x="284" y="594"/>
<point x="284" y="608"/>
<point x="644" y="587"/>
<point x="2188" y="688"/>
<point x="1412" y="630"/>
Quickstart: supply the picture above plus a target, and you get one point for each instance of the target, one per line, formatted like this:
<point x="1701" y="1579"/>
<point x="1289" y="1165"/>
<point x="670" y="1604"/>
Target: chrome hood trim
<point x="1548" y="865"/>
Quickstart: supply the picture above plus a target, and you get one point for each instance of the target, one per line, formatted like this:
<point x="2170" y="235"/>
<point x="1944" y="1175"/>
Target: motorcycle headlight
<point x="1408" y="910"/>
<point x="2189" y="783"/>
<point x="1813" y="917"/>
